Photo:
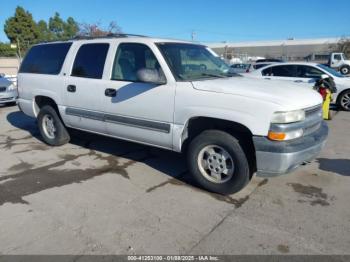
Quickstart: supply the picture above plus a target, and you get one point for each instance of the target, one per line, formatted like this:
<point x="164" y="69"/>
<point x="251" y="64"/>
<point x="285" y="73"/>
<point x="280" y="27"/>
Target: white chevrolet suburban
<point x="174" y="95"/>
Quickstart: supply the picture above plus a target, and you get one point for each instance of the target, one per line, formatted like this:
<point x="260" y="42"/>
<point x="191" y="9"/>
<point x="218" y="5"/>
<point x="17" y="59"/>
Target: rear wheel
<point x="344" y="100"/>
<point x="51" y="127"/>
<point x="345" y="70"/>
<point x="217" y="162"/>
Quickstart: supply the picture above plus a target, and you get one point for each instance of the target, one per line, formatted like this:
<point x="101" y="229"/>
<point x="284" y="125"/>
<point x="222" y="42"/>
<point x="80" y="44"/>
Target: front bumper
<point x="8" y="96"/>
<point x="276" y="158"/>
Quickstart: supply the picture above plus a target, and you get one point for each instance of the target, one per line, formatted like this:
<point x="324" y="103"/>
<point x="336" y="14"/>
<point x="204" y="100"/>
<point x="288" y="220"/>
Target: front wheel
<point x="344" y="100"/>
<point x="218" y="163"/>
<point x="51" y="127"/>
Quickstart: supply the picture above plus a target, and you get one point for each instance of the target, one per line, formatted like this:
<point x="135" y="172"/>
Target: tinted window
<point x="45" y="59"/>
<point x="281" y="71"/>
<point x="337" y="57"/>
<point x="308" y="72"/>
<point x="130" y="58"/>
<point x="90" y="60"/>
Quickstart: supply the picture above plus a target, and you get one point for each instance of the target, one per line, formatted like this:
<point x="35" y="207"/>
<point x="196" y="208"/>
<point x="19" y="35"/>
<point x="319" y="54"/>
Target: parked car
<point x="8" y="91"/>
<point x="174" y="95"/>
<point x="255" y="66"/>
<point x="239" y="68"/>
<point x="269" y="60"/>
<point x="308" y="73"/>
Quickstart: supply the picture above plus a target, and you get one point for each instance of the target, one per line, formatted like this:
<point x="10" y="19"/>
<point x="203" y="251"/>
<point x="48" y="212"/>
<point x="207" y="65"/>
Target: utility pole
<point x="193" y="35"/>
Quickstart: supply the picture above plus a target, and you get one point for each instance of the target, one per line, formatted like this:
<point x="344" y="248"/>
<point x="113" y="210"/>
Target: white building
<point x="291" y="49"/>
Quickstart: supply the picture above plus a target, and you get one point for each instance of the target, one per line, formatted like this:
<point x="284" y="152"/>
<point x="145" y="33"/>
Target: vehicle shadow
<point x="337" y="166"/>
<point x="169" y="163"/>
<point x="132" y="90"/>
<point x="21" y="121"/>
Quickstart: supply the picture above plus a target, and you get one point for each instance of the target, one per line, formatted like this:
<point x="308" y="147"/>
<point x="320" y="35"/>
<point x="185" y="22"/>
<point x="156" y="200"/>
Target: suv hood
<point x="290" y="96"/>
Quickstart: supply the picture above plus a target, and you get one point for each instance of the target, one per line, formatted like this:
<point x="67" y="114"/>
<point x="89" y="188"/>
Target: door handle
<point x="110" y="92"/>
<point x="298" y="81"/>
<point x="71" y="88"/>
<point x="267" y="78"/>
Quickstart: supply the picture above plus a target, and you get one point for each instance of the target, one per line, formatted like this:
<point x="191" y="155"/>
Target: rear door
<point x="280" y="72"/>
<point x="84" y="87"/>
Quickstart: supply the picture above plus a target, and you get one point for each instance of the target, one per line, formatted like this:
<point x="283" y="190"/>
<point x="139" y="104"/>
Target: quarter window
<point x="90" y="60"/>
<point x="45" y="59"/>
<point x="130" y="58"/>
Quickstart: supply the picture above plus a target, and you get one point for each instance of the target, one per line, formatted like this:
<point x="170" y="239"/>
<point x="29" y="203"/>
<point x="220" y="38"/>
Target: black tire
<point x="60" y="135"/>
<point x="241" y="172"/>
<point x="344" y="100"/>
<point x="344" y="70"/>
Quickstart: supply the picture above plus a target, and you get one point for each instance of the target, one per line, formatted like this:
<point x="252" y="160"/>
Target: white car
<point x="307" y="73"/>
<point x="8" y="91"/>
<point x="174" y="95"/>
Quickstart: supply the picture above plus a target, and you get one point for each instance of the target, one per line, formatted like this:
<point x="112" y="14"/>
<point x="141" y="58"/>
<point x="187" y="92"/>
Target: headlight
<point x="12" y="87"/>
<point x="288" y="117"/>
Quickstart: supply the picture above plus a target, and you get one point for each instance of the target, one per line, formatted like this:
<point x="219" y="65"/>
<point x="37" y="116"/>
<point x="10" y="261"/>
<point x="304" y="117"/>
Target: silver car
<point x="8" y="91"/>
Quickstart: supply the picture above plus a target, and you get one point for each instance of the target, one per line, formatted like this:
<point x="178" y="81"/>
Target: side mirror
<point x="152" y="76"/>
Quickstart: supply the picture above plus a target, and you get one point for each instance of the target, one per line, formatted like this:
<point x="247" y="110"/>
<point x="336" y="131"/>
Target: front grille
<point x="313" y="119"/>
<point x="6" y="99"/>
<point x="313" y="111"/>
<point x="2" y="89"/>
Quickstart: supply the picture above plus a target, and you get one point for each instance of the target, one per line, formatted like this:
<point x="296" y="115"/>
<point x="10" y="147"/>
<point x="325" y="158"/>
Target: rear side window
<point x="90" y="60"/>
<point x="281" y="71"/>
<point x="45" y="59"/>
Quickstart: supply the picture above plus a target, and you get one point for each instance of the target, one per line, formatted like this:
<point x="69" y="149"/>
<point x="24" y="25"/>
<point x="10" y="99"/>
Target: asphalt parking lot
<point x="97" y="195"/>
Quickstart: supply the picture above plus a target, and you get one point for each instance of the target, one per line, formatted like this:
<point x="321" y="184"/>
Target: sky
<point x="211" y="21"/>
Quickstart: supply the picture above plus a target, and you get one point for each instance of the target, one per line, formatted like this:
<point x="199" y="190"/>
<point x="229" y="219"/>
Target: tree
<point x="95" y="30"/>
<point x="44" y="32"/>
<point x="6" y="50"/>
<point x="344" y="46"/>
<point x="71" y="28"/>
<point x="56" y="26"/>
<point x="62" y="30"/>
<point x="21" y="29"/>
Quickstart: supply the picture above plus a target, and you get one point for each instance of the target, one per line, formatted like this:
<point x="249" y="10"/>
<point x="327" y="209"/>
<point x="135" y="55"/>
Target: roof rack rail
<point x="118" y="35"/>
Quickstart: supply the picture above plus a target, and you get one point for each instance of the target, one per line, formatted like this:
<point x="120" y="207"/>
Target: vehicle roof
<point x="120" y="38"/>
<point x="296" y="63"/>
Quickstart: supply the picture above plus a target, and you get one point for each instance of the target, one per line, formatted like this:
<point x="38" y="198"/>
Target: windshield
<point x="190" y="62"/>
<point x="330" y="70"/>
<point x="344" y="57"/>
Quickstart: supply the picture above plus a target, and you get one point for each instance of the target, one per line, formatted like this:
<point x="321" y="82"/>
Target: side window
<point x="283" y="71"/>
<point x="45" y="59"/>
<point x="308" y="72"/>
<point x="130" y="58"/>
<point x="337" y="57"/>
<point x="90" y="60"/>
<point x="266" y="72"/>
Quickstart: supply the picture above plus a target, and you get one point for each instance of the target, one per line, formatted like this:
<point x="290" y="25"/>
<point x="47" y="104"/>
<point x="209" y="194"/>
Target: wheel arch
<point x="198" y="124"/>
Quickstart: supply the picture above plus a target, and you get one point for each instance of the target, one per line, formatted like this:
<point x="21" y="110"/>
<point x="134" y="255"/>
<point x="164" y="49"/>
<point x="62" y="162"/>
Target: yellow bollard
<point x="326" y="106"/>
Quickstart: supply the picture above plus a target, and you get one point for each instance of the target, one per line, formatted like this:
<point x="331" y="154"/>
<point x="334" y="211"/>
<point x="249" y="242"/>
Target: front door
<point x="139" y="111"/>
